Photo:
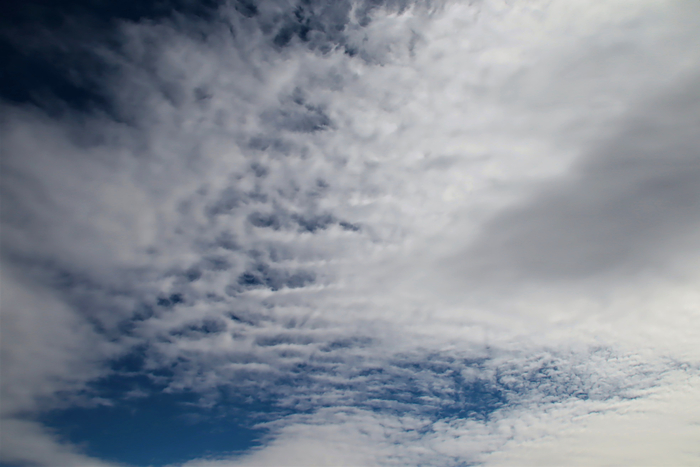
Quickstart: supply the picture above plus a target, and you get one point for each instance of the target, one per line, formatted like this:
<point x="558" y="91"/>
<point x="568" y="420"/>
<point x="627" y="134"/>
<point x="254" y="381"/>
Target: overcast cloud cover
<point x="364" y="233"/>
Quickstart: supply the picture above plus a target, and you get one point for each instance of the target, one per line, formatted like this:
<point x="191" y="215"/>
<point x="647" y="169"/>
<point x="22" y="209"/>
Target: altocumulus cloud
<point x="351" y="233"/>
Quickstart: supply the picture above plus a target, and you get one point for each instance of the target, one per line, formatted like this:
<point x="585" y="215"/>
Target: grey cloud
<point x="216" y="263"/>
<point x="320" y="25"/>
<point x="632" y="203"/>
<point x="299" y="117"/>
<point x="229" y="199"/>
<point x="314" y="223"/>
<point x="47" y="346"/>
<point x="262" y="275"/>
<point x="29" y="443"/>
<point x="270" y="143"/>
<point x="201" y="328"/>
<point x="227" y="241"/>
<point x="280" y="219"/>
<point x="273" y="221"/>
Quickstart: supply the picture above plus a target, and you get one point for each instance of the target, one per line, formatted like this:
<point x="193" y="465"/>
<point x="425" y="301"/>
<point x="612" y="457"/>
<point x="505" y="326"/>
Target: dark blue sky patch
<point x="157" y="430"/>
<point x="349" y="226"/>
<point x="266" y="220"/>
<point x="433" y="392"/>
<point x="47" y="78"/>
<point x="313" y="223"/>
<point x="430" y="386"/>
<point x="320" y="25"/>
<point x="243" y="317"/>
<point x="266" y="143"/>
<point x="201" y="328"/>
<point x="549" y="379"/>
<point x="142" y="312"/>
<point x="50" y="59"/>
<point x="170" y="301"/>
<point x="259" y="170"/>
<point x="280" y="339"/>
<point x="262" y="275"/>
<point x="474" y="400"/>
<point x="229" y="199"/>
<point x="193" y="274"/>
<point x="300" y="279"/>
<point x="247" y="8"/>
<point x="227" y="241"/>
<point x="433" y="389"/>
<point x="346" y="343"/>
<point x="248" y="279"/>
<point x="308" y="222"/>
<point x="147" y="425"/>
<point x="297" y="118"/>
<point x="131" y="362"/>
<point x="216" y="263"/>
<point x="285" y="34"/>
<point x="43" y="46"/>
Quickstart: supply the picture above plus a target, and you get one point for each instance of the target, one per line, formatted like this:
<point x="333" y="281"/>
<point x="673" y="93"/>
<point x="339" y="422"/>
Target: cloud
<point x="639" y="431"/>
<point x="578" y="430"/>
<point x="630" y="205"/>
<point x="28" y="443"/>
<point x="414" y="233"/>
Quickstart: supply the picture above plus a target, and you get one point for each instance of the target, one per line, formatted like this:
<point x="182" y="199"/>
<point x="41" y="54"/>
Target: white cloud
<point x="46" y="347"/>
<point x="659" y="429"/>
<point x="28" y="443"/>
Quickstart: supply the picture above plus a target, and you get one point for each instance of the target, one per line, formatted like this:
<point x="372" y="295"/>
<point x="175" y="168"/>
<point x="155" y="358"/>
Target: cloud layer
<point x="389" y="233"/>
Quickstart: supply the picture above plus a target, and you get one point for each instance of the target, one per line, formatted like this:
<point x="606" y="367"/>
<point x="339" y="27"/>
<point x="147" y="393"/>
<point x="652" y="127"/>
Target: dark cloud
<point x="314" y="223"/>
<point x="201" y="328"/>
<point x="280" y="219"/>
<point x="170" y="301"/>
<point x="300" y="118"/>
<point x="263" y="220"/>
<point x="631" y="204"/>
<point x="262" y="275"/>
<point x="227" y="241"/>
<point x="229" y="199"/>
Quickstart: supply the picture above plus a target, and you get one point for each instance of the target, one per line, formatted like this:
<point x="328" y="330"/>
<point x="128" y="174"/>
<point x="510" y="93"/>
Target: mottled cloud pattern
<point x="352" y="233"/>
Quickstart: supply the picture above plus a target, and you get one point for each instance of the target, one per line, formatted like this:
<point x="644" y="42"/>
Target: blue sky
<point x="296" y="233"/>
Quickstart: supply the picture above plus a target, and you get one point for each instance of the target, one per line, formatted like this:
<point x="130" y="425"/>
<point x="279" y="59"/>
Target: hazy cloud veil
<point x="366" y="233"/>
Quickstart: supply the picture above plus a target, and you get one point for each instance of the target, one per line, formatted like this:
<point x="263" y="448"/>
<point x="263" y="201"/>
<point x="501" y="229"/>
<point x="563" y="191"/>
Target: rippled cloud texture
<point x="362" y="233"/>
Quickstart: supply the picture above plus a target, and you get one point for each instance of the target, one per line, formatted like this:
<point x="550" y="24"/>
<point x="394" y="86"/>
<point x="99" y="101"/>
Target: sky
<point x="350" y="233"/>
